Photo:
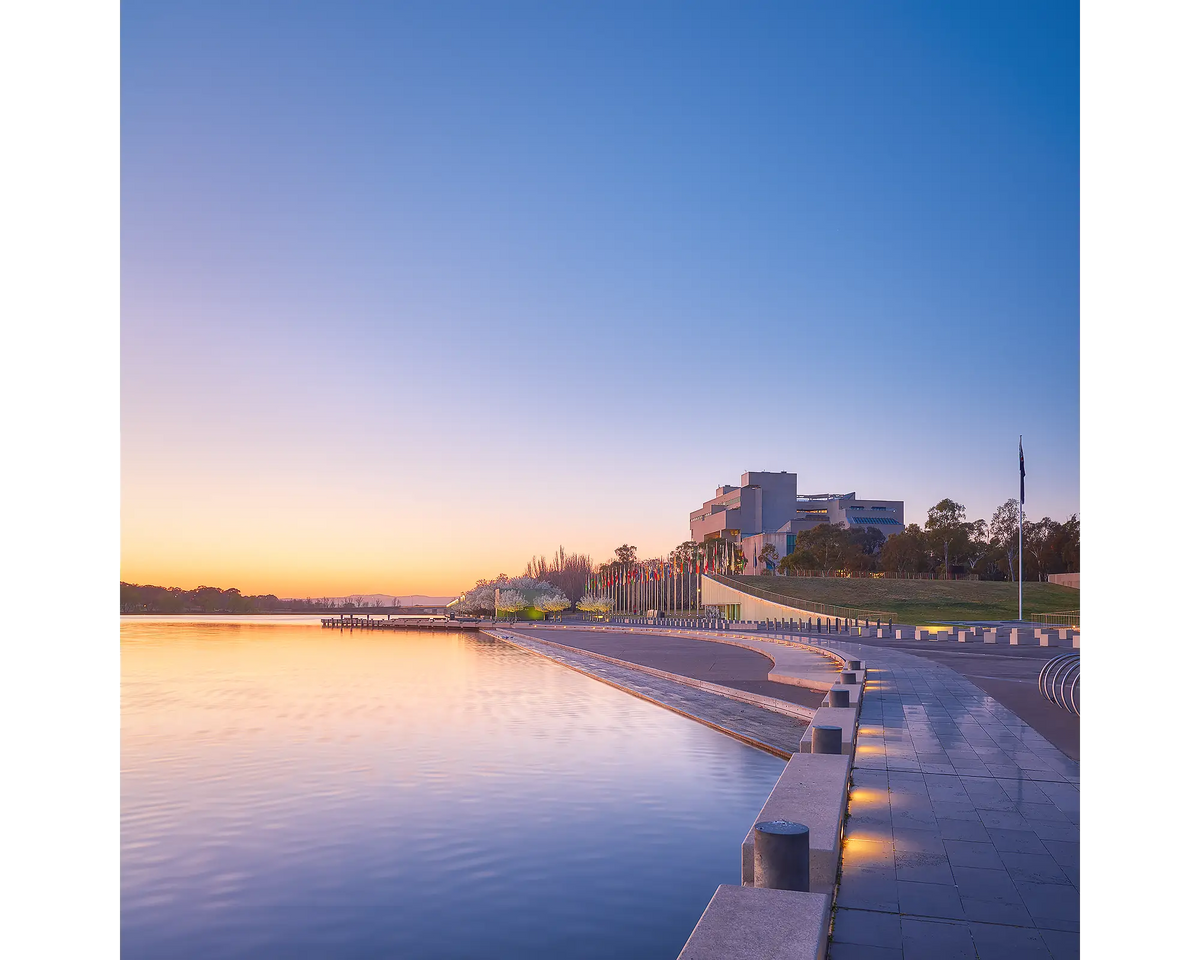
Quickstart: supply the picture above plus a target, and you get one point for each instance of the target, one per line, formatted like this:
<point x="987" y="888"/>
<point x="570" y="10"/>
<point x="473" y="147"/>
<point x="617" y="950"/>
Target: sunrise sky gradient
<point x="411" y="292"/>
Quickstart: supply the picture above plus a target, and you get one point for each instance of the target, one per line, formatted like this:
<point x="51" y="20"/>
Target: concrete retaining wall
<point x="752" y="607"/>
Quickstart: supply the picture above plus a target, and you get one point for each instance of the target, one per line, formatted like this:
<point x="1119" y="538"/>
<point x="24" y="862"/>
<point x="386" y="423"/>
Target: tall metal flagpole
<point x="1021" y="534"/>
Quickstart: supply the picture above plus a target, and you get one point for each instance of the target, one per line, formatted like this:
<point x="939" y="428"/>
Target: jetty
<point x="351" y="622"/>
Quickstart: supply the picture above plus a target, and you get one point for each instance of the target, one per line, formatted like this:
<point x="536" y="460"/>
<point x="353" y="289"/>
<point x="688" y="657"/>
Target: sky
<point x="412" y="292"/>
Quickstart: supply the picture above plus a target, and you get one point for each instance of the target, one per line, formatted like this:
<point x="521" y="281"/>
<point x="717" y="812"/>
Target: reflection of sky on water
<point x="288" y="790"/>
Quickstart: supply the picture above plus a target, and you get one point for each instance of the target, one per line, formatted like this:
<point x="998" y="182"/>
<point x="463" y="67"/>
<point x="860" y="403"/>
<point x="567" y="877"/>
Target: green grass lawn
<point x="925" y="601"/>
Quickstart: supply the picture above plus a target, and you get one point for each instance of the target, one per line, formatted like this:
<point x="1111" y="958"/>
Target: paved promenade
<point x="963" y="835"/>
<point x="731" y="666"/>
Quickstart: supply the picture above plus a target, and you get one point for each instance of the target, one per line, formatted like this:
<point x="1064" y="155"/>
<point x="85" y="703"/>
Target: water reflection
<point x="293" y="791"/>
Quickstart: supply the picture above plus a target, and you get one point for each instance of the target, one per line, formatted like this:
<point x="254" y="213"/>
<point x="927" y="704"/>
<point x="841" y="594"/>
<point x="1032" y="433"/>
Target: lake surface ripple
<point x="288" y="791"/>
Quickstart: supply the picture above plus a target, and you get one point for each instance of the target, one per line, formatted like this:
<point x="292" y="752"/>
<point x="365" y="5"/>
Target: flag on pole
<point x="1021" y="454"/>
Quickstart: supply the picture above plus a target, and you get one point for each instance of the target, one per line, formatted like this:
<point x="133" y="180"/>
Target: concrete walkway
<point x="963" y="834"/>
<point x="732" y="665"/>
<point x="793" y="663"/>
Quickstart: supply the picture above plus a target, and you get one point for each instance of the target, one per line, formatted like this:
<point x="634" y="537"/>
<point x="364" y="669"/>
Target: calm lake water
<point x="288" y="791"/>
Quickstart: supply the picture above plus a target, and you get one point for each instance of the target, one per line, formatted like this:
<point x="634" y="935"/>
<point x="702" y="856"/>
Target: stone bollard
<point x="826" y="739"/>
<point x="849" y="676"/>
<point x="781" y="855"/>
<point x="839" y="698"/>
<point x="853" y="664"/>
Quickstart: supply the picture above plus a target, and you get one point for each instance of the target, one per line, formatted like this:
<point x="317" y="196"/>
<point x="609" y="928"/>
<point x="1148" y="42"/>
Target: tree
<point x="551" y="601"/>
<point x="797" y="561"/>
<point x="944" y="526"/>
<point x="626" y="554"/>
<point x="568" y="572"/>
<point x="686" y="552"/>
<point x="1004" y="531"/>
<point x="906" y="552"/>
<point x="829" y="543"/>
<point x="510" y="601"/>
<point x="767" y="556"/>
<point x="1045" y="540"/>
<point x="1068" y="545"/>
<point x="594" y="603"/>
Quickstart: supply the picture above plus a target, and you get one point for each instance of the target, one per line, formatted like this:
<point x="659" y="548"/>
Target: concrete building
<point x="765" y="508"/>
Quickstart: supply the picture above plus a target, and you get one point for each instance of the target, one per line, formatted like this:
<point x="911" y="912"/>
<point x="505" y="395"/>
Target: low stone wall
<point x="754" y="921"/>
<point x="741" y="923"/>
<point x="812" y="790"/>
<point x="1064" y="579"/>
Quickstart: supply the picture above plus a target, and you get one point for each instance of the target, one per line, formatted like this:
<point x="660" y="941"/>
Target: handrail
<point x="1061" y="618"/>
<point x="1058" y="682"/>
<point x="827" y="609"/>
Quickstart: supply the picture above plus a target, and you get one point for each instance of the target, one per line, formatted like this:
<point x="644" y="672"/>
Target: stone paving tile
<point x="1051" y="904"/>
<point x="1055" y="830"/>
<point x="994" y="942"/>
<point x="994" y="886"/>
<point x="1033" y="867"/>
<point x="1064" y="852"/>
<point x="867" y="927"/>
<point x="969" y="853"/>
<point x="1063" y="945"/>
<point x="862" y="951"/>
<point x="993" y="911"/>
<point x="934" y="940"/>
<point x="867" y="891"/>
<point x="925" y="867"/>
<point x="940" y="900"/>
<point x="1018" y="841"/>
<point x="954" y="829"/>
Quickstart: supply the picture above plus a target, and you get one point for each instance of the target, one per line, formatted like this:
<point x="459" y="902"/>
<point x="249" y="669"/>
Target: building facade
<point x="765" y="508"/>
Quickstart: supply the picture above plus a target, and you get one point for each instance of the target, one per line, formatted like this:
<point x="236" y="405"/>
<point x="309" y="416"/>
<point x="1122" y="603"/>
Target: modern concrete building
<point x="765" y="508"/>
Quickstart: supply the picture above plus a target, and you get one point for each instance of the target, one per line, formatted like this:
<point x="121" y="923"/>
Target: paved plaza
<point x="963" y="834"/>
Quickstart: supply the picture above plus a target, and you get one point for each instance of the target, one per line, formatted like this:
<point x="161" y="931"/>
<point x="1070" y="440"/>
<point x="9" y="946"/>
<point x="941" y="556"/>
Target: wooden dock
<point x="350" y="622"/>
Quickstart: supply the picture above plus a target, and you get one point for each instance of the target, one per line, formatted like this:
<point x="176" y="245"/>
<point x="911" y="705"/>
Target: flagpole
<point x="1021" y="538"/>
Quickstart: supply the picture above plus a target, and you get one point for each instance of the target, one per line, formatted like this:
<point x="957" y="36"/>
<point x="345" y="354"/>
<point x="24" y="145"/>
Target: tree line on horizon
<point x="148" y="598"/>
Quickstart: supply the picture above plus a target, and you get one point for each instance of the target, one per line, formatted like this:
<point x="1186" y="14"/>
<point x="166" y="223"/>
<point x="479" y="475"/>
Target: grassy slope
<point x="926" y="601"/>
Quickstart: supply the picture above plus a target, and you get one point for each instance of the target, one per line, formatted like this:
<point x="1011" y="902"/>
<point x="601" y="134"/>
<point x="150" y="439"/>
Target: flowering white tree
<point x="510" y="601"/>
<point x="594" y="603"/>
<point x="516" y="593"/>
<point x="551" y="601"/>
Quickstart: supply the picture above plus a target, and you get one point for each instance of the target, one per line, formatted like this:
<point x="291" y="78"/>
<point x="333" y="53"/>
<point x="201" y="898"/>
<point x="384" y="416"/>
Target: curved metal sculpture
<point x="1059" y="682"/>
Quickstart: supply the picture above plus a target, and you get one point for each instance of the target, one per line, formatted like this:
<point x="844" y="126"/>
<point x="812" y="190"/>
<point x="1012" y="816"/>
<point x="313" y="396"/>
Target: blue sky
<point x="483" y="278"/>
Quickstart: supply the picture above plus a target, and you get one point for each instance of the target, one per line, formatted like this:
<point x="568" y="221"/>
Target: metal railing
<point x="798" y="603"/>
<point x="1060" y="619"/>
<point x="1059" y="682"/>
